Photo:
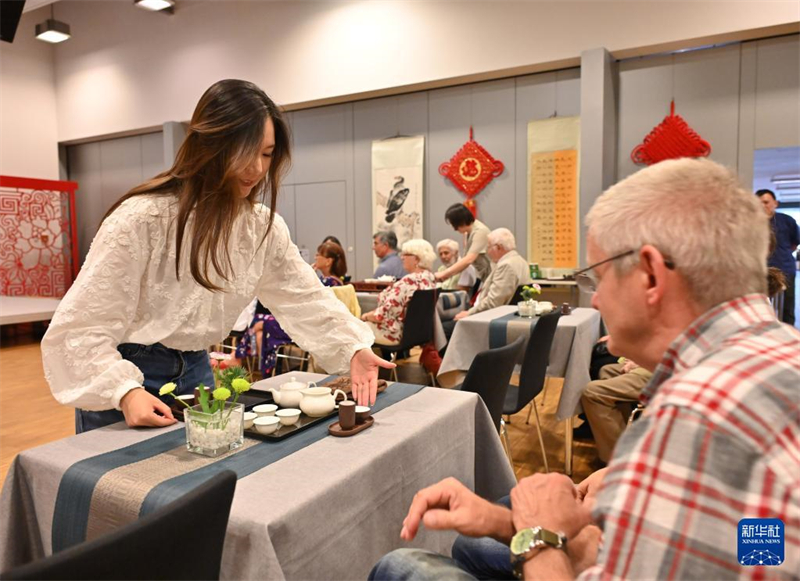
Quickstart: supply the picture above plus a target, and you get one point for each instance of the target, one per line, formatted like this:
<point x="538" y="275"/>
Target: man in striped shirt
<point x="678" y="255"/>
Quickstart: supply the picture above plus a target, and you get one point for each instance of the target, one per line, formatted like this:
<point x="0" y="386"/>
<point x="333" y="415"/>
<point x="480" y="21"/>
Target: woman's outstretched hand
<point x="364" y="368"/>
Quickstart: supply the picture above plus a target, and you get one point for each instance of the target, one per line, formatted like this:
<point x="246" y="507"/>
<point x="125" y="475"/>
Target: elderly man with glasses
<point x="678" y="253"/>
<point x="510" y="271"/>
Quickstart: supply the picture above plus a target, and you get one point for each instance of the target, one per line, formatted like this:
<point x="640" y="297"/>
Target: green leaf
<point x="204" y="398"/>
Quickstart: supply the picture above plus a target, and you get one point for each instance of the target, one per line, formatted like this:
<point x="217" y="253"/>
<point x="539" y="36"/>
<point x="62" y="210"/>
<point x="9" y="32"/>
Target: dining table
<point x="570" y="353"/>
<point x="310" y="506"/>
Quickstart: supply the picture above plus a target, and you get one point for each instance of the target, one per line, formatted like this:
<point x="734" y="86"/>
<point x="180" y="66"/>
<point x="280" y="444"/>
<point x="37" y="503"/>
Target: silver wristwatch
<point x="527" y="542"/>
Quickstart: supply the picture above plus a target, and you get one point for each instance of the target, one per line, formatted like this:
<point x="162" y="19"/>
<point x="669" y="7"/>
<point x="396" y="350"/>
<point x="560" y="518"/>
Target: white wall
<point x="126" y="68"/>
<point x="28" y="127"/>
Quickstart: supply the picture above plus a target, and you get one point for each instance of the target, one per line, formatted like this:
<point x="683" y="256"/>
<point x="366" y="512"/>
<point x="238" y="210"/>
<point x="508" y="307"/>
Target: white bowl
<point x="289" y="416"/>
<point x="266" y="424"/>
<point x="249" y="417"/>
<point x="265" y="409"/>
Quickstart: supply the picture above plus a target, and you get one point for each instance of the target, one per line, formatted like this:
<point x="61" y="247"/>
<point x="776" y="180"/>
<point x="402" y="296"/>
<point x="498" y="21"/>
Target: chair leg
<point x="433" y="380"/>
<point x="506" y="443"/>
<point x="544" y="393"/>
<point x="568" y="446"/>
<point x="533" y="405"/>
<point x="541" y="440"/>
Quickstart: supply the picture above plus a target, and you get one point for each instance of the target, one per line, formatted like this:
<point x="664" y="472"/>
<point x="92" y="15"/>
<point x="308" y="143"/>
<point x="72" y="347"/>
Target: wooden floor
<point x="29" y="416"/>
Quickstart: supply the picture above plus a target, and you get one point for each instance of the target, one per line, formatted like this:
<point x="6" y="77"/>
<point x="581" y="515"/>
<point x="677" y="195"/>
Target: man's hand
<point x="364" y="375"/>
<point x="439" y="276"/>
<point x="587" y="489"/>
<point x="451" y="505"/>
<point x="142" y="409"/>
<point x="629" y="366"/>
<point x="461" y="315"/>
<point x="549" y="501"/>
<point x="582" y="549"/>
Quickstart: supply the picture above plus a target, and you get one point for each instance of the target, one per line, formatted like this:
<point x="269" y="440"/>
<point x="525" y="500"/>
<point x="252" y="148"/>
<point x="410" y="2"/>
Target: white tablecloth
<point x="569" y="356"/>
<point x="327" y="511"/>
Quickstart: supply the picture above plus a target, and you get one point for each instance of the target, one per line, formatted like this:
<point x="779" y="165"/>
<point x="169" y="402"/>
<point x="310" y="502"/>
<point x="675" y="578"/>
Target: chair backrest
<point x="536" y="359"/>
<point x="489" y="375"/>
<point x="347" y="294"/>
<point x="418" y="322"/>
<point x="182" y="540"/>
<point x="474" y="290"/>
<point x="517" y="296"/>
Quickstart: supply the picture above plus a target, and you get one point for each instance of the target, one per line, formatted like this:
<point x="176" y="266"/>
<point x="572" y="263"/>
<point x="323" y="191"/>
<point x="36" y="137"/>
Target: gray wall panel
<point x="84" y="167"/>
<point x="778" y="92"/>
<point x="320" y="211"/>
<point x="320" y="145"/>
<point x="705" y="86"/>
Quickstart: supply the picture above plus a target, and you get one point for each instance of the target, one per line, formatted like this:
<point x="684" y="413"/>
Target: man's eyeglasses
<point x="586" y="280"/>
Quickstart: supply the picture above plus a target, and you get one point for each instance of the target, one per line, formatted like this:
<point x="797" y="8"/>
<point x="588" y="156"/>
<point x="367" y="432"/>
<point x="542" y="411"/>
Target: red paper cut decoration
<point x="471" y="169"/>
<point x="38" y="237"/>
<point x="670" y="139"/>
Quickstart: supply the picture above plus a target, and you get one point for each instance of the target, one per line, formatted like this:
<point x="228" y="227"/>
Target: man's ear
<point x="651" y="261"/>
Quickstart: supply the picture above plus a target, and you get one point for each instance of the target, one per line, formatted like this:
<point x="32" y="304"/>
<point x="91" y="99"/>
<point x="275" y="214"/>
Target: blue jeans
<point x="159" y="365"/>
<point x="473" y="559"/>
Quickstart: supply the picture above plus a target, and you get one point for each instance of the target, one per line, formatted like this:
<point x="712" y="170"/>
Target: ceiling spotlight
<point x="52" y="30"/>
<point x="156" y="5"/>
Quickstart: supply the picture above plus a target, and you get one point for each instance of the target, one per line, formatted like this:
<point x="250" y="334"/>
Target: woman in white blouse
<point x="175" y="262"/>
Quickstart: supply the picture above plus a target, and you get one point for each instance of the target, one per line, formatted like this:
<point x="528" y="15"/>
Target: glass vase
<point x="214" y="434"/>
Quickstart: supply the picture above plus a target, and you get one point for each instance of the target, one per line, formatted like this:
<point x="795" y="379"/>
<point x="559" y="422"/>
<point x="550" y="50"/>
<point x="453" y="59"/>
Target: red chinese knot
<point x="471" y="169"/>
<point x="670" y="139"/>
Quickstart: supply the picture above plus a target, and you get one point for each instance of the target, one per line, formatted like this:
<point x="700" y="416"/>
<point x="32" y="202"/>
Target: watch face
<point x="521" y="541"/>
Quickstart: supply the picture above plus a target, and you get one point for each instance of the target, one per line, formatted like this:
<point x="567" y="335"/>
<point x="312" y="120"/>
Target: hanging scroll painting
<point x="553" y="190"/>
<point x="397" y="186"/>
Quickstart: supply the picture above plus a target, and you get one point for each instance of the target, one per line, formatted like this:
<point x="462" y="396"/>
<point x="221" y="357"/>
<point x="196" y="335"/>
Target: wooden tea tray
<point x="336" y="430"/>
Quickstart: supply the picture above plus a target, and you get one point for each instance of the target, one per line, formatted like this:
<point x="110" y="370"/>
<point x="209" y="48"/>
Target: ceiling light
<point x="52" y="30"/>
<point x="786" y="179"/>
<point x="156" y="5"/>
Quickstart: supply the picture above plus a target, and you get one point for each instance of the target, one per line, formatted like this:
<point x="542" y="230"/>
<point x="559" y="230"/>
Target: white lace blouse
<point x="127" y="292"/>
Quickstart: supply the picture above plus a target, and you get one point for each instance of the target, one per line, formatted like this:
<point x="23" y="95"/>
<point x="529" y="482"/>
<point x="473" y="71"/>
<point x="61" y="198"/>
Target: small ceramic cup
<point x="265" y="409"/>
<point x="347" y="415"/>
<point x="249" y="418"/>
<point x="187" y="398"/>
<point x="362" y="413"/>
<point x="266" y="424"/>
<point x="288" y="416"/>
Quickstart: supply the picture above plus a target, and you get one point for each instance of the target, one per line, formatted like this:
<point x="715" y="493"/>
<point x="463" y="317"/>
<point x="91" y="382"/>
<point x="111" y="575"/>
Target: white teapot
<point x="319" y="401"/>
<point x="290" y="393"/>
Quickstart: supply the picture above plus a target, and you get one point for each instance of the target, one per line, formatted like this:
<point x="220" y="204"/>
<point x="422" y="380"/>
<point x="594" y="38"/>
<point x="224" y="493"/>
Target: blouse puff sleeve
<point x="79" y="350"/>
<point x="308" y="311"/>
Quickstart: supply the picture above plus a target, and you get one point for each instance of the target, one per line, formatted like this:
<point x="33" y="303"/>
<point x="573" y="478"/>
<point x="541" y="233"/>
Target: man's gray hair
<point x="447" y="243"/>
<point x="423" y="250"/>
<point x="504" y="237"/>
<point x="698" y="215"/>
<point x="387" y="237"/>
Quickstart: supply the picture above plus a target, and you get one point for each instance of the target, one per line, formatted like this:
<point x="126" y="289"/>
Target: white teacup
<point x="249" y="418"/>
<point x="266" y="424"/>
<point x="362" y="413"/>
<point x="265" y="409"/>
<point x="288" y="416"/>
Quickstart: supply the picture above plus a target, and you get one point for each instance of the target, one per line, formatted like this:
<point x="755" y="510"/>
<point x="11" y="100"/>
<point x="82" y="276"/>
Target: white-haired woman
<point x="447" y="250"/>
<point x="386" y="321"/>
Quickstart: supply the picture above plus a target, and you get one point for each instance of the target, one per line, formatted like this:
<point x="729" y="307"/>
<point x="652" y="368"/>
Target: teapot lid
<point x="293" y="384"/>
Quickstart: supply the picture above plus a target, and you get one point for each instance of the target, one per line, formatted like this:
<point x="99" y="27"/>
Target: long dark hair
<point x="225" y="134"/>
<point x="336" y="253"/>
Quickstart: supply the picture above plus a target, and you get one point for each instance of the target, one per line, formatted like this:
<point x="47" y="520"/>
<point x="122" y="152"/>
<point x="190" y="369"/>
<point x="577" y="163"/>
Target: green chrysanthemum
<point x="240" y="385"/>
<point x="167" y="388"/>
<point x="221" y="394"/>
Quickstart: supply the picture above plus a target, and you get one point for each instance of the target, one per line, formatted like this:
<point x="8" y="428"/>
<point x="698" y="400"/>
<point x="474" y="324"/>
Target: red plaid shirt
<point x="718" y="442"/>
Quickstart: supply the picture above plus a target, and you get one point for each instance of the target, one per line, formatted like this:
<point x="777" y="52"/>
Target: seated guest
<point x="387" y="319"/>
<point x="510" y="271"/>
<point x="718" y="441"/>
<point x="331" y="264"/>
<point x="476" y="233"/>
<point x="448" y="253"/>
<point x="264" y="334"/>
<point x="384" y="244"/>
<point x="609" y="400"/>
<point x="333" y="239"/>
